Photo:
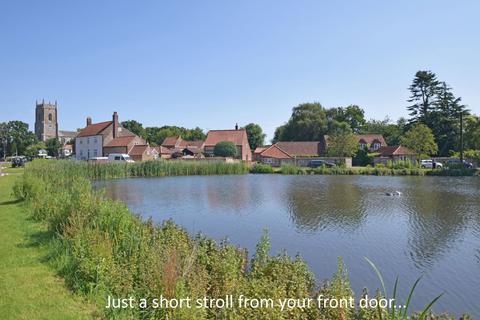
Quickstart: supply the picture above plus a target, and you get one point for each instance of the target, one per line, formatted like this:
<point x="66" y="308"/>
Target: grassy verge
<point x="29" y="289"/>
<point x="375" y="171"/>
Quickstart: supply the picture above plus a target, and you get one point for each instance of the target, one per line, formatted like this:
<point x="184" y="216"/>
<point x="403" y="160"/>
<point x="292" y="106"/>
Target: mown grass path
<point x="29" y="288"/>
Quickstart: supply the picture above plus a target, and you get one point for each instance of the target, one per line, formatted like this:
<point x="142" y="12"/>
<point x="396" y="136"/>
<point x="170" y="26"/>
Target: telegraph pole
<point x="461" y="137"/>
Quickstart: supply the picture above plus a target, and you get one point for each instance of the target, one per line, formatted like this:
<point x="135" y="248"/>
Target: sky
<point x="216" y="63"/>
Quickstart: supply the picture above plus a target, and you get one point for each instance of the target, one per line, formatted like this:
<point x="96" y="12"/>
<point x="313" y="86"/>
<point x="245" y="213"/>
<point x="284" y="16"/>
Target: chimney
<point x="236" y="126"/>
<point x="115" y="124"/>
<point x="89" y="121"/>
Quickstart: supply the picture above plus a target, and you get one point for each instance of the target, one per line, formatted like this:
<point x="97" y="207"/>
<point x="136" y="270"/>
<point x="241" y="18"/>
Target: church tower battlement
<point x="46" y="121"/>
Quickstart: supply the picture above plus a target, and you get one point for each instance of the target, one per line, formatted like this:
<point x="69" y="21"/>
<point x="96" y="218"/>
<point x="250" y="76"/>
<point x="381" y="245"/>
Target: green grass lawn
<point x="29" y="288"/>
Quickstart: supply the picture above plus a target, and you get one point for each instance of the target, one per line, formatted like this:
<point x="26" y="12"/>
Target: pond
<point x="431" y="229"/>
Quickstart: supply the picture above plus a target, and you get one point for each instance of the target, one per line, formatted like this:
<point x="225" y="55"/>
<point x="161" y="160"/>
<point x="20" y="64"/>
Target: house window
<point x="81" y="153"/>
<point x="362" y="145"/>
<point x="88" y="140"/>
<point x="94" y="139"/>
<point x="94" y="152"/>
<point x="376" y="146"/>
<point x="81" y="141"/>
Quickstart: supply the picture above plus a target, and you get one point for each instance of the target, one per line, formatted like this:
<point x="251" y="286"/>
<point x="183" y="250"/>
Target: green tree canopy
<point x="135" y="127"/>
<point x="156" y="135"/>
<point x="53" y="147"/>
<point x="472" y="132"/>
<point x="424" y="90"/>
<point x="420" y="139"/>
<point x="342" y="144"/>
<point x="256" y="137"/>
<point x="225" y="149"/>
<point x="32" y="150"/>
<point x="311" y="121"/>
<point x="15" y="137"/>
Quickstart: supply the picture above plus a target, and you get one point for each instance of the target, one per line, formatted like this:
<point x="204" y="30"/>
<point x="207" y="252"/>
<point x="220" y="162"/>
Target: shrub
<point x="225" y="149"/>
<point x="261" y="168"/>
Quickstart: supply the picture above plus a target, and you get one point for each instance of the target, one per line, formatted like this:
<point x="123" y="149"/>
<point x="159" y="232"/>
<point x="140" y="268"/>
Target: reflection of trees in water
<point x="333" y="203"/>
<point x="437" y="219"/>
<point x="230" y="194"/>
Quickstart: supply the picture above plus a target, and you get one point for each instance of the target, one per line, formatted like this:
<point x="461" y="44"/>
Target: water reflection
<point x="315" y="206"/>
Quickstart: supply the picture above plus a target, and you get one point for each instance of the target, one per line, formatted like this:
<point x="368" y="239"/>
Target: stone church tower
<point x="46" y="124"/>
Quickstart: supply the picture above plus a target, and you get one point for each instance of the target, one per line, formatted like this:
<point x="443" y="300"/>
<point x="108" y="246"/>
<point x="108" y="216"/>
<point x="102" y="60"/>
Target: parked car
<point x="430" y="164"/>
<point x="457" y="163"/>
<point x="119" y="157"/>
<point x="18" y="161"/>
<point x="321" y="163"/>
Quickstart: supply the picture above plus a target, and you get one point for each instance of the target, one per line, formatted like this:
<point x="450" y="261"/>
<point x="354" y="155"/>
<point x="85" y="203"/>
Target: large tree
<point x="446" y="116"/>
<point x="53" y="147"/>
<point x="256" y="137"/>
<point x="420" y="139"/>
<point x="135" y="127"/>
<point x="352" y="115"/>
<point x="342" y="144"/>
<point x="424" y="90"/>
<point x="15" y="137"/>
<point x="472" y="132"/>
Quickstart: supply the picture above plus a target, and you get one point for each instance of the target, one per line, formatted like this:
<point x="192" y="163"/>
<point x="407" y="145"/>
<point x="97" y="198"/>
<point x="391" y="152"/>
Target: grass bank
<point x="102" y="250"/>
<point x="375" y="171"/>
<point x="29" y="288"/>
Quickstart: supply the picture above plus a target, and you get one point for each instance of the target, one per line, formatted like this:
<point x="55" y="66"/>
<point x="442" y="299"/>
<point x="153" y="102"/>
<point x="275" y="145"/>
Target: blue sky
<point x="214" y="63"/>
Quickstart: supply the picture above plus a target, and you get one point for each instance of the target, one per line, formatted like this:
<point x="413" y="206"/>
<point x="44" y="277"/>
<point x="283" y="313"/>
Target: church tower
<point x="46" y="124"/>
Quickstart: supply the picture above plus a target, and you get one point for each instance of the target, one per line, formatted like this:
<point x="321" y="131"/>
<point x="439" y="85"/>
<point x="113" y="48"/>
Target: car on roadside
<point x="18" y="161"/>
<point x="321" y="163"/>
<point x="457" y="163"/>
<point x="430" y="164"/>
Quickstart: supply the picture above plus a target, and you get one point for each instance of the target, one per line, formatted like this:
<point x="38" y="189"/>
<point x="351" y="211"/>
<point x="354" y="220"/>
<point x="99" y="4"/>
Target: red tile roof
<point x="94" y="129"/>
<point x="394" y="151"/>
<point x="259" y="150"/>
<point x="275" y="152"/>
<point x="301" y="148"/>
<point x="196" y="144"/>
<point x="171" y="141"/>
<point x="238" y="137"/>
<point x="120" y="141"/>
<point x="138" y="150"/>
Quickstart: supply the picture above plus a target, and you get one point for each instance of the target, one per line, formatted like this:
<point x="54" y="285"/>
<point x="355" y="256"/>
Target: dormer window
<point x="376" y="145"/>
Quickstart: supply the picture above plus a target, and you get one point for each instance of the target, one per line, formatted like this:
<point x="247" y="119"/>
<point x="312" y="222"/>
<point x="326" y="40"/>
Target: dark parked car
<point x="321" y="163"/>
<point x="18" y="162"/>
<point x="456" y="163"/>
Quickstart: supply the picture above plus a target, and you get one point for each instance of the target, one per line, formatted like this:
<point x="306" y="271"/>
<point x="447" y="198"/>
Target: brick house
<point x="300" y="153"/>
<point x="143" y="153"/>
<point x="92" y="139"/>
<point x="274" y="156"/>
<point x="122" y="145"/>
<point x="394" y="153"/>
<point x="237" y="136"/>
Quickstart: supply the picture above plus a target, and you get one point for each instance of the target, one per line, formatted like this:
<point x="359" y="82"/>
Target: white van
<point x="119" y="157"/>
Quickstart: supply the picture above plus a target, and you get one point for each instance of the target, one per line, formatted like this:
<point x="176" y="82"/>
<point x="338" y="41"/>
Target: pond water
<point x="431" y="229"/>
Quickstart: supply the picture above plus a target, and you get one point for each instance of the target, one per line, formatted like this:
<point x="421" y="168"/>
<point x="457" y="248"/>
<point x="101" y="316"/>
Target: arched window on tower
<point x="49" y="117"/>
